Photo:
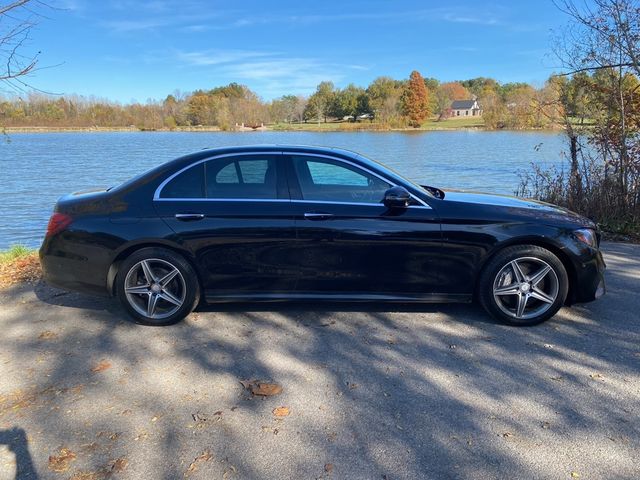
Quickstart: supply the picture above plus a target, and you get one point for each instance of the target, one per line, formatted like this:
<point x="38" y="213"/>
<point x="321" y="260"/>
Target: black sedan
<point x="308" y="223"/>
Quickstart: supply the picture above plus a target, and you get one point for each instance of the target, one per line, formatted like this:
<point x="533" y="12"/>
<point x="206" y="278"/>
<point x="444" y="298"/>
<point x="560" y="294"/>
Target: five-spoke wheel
<point x="523" y="285"/>
<point x="157" y="286"/>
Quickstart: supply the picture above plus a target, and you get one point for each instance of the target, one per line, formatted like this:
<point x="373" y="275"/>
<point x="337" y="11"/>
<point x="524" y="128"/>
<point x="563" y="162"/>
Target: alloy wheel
<point x="155" y="288"/>
<point x="526" y="287"/>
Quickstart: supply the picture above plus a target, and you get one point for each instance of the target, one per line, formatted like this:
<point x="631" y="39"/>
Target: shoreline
<point x="328" y="128"/>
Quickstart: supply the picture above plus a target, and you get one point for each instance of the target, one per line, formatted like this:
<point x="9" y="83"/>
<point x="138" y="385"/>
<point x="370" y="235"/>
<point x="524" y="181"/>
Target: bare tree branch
<point x="17" y="19"/>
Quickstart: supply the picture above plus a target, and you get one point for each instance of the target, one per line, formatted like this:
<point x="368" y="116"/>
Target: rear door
<point x="234" y="213"/>
<point x="349" y="243"/>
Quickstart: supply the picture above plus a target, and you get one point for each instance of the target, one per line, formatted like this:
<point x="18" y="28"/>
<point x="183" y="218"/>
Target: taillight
<point x="57" y="223"/>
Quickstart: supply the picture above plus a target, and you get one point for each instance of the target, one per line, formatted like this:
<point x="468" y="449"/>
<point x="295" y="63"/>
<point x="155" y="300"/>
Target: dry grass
<point x="19" y="265"/>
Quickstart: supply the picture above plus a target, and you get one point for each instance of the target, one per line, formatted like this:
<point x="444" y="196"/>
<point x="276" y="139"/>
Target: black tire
<point x="501" y="292"/>
<point x="168" y="303"/>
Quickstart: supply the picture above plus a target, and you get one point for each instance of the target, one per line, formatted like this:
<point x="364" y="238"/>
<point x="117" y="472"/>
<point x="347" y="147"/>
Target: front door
<point x="350" y="243"/>
<point x="234" y="213"/>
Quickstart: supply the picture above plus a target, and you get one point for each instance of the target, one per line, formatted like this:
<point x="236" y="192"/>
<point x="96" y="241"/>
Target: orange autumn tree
<point x="415" y="100"/>
<point x="455" y="91"/>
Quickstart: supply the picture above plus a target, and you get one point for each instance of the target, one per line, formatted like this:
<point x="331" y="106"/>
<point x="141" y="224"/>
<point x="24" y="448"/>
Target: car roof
<point x="280" y="148"/>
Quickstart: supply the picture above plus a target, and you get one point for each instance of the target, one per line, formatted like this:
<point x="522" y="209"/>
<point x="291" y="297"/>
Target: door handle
<point x="189" y="217"/>
<point x="318" y="216"/>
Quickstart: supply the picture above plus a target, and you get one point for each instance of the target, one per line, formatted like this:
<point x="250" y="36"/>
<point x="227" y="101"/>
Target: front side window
<point x="329" y="180"/>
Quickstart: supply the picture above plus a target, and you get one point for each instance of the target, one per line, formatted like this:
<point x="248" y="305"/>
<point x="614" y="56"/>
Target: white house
<point x="465" y="108"/>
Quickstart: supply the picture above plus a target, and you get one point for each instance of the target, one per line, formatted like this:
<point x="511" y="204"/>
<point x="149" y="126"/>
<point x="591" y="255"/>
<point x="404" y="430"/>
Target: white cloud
<point x="270" y="73"/>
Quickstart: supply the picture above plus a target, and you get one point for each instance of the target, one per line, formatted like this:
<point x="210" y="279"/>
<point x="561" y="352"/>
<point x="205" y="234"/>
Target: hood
<point x="522" y="206"/>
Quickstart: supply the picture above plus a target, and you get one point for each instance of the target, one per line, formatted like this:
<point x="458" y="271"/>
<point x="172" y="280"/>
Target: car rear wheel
<point x="523" y="285"/>
<point x="157" y="286"/>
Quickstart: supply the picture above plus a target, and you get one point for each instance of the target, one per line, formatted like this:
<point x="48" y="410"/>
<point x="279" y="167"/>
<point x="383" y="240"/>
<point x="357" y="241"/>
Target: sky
<point x="134" y="50"/>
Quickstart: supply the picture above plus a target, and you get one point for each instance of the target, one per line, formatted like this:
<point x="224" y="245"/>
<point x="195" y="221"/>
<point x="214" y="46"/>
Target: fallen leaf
<point x="575" y="475"/>
<point x="101" y="367"/>
<point x="328" y="467"/>
<point x="205" y="456"/>
<point x="265" y="389"/>
<point x="246" y="383"/>
<point x="507" y="434"/>
<point x="47" y="335"/>
<point x="281" y="411"/>
<point x="228" y="472"/>
<point x="61" y="462"/>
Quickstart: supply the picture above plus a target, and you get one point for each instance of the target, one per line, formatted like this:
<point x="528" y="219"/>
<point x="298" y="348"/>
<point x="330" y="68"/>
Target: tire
<point x="167" y="297"/>
<point x="523" y="275"/>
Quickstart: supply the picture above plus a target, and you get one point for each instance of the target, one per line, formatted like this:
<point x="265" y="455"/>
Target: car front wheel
<point x="157" y="286"/>
<point x="523" y="285"/>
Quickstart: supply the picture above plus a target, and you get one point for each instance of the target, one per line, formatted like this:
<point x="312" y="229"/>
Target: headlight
<point x="588" y="236"/>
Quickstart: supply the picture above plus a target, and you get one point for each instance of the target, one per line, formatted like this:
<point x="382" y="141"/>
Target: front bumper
<point x="590" y="283"/>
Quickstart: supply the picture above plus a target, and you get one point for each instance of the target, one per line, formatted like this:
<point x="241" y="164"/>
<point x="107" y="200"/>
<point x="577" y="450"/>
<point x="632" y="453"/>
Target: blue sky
<point x="128" y="50"/>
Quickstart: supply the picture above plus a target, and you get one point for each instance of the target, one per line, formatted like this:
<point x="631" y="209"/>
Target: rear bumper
<point x="70" y="270"/>
<point x="590" y="283"/>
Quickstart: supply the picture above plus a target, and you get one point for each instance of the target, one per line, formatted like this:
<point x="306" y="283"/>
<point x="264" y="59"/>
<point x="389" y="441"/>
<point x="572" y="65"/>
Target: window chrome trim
<point x="200" y="199"/>
<point x="156" y="195"/>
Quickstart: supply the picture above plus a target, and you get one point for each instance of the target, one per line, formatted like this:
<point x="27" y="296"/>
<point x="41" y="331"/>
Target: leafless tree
<point x="602" y="34"/>
<point x="17" y="19"/>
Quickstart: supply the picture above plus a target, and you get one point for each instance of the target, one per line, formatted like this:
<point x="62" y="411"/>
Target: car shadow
<point x="55" y="296"/>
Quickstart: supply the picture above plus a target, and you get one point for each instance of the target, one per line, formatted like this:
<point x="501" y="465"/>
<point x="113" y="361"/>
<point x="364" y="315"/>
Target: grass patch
<point x="454" y="123"/>
<point x="457" y="123"/>
<point x="19" y="264"/>
<point x="15" y="252"/>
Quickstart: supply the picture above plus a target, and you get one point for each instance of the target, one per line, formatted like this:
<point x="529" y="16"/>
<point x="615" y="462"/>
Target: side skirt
<point x="212" y="297"/>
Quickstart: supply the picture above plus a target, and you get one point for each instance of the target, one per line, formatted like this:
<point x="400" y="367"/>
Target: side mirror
<point x="397" y="197"/>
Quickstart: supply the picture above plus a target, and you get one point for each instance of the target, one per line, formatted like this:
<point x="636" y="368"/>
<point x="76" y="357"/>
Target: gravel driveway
<point x="371" y="391"/>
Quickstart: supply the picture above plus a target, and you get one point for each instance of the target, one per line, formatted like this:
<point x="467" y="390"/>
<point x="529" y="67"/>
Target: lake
<point x="40" y="167"/>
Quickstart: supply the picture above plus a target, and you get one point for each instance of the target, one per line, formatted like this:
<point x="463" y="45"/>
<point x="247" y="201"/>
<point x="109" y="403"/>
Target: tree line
<point x="386" y="102"/>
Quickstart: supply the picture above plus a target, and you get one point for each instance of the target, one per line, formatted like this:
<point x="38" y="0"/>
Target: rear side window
<point x="188" y="184"/>
<point x="251" y="177"/>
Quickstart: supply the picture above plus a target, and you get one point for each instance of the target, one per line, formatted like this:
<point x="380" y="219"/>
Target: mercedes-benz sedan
<point x="308" y="223"/>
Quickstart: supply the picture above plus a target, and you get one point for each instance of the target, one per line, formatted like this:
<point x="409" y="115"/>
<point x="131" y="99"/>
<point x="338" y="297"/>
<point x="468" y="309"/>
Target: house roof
<point x="462" y="104"/>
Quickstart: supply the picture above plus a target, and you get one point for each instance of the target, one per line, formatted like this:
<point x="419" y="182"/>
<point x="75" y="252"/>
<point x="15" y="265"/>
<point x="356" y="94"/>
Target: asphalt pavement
<point x="368" y="391"/>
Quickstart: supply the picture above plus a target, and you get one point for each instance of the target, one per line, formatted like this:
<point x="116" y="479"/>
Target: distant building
<point x="465" y="108"/>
